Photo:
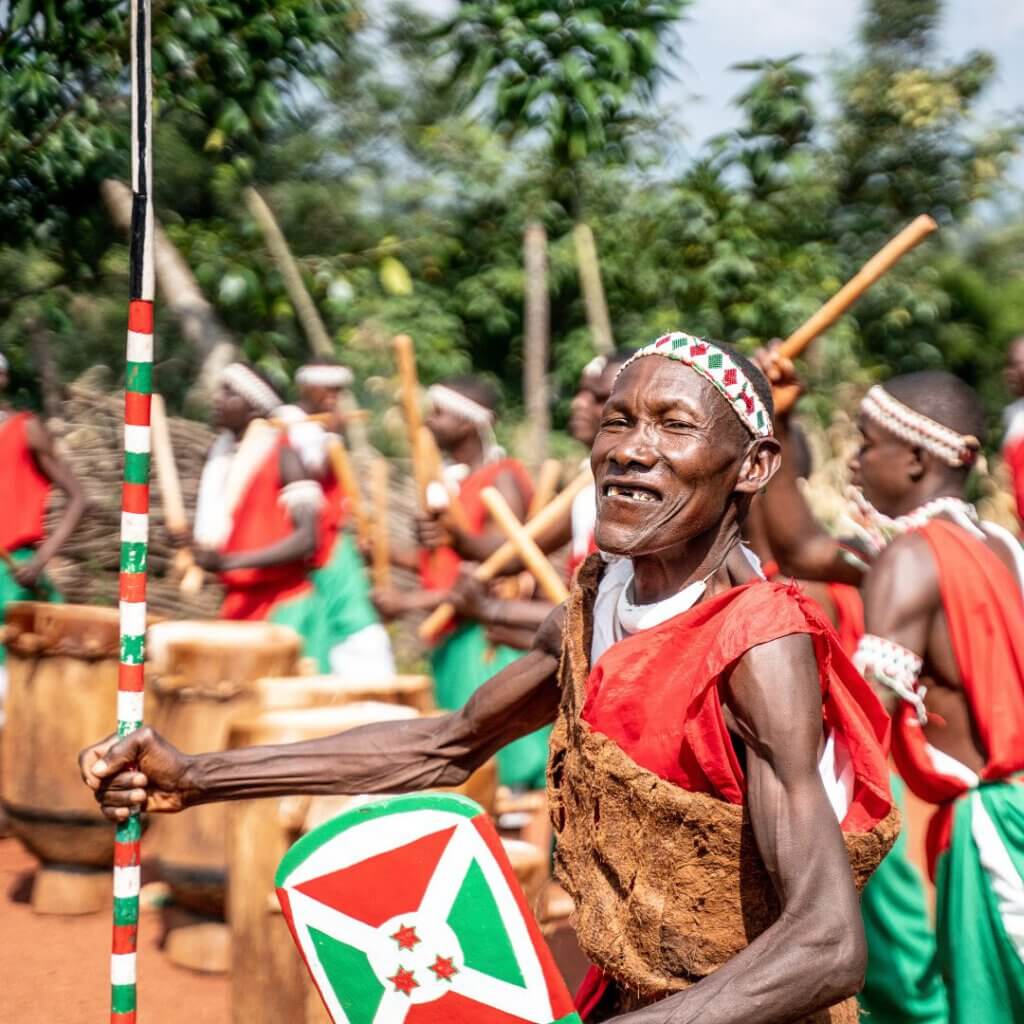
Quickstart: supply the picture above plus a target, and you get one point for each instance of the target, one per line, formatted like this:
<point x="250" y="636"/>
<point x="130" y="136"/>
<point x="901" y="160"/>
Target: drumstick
<point x="345" y="474"/>
<point x="381" y="537"/>
<point x="430" y="457"/>
<point x="547" y="483"/>
<point x="5" y="557"/>
<point x="354" y="416"/>
<point x="169" y="483"/>
<point x="533" y="558"/>
<point x="549" y="516"/>
<point x="883" y="261"/>
<point x="410" y="389"/>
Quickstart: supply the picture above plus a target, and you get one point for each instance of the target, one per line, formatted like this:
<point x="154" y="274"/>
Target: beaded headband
<point x="324" y="376"/>
<point x="914" y="427"/>
<point x="459" y="404"/>
<point x="718" y="367"/>
<point x="256" y="391"/>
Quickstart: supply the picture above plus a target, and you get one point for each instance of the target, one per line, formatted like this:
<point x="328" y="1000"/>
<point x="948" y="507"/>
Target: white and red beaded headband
<point x="256" y="391"/>
<point x="917" y="429"/>
<point x="718" y="367"/>
<point x="459" y="404"/>
<point x="323" y="375"/>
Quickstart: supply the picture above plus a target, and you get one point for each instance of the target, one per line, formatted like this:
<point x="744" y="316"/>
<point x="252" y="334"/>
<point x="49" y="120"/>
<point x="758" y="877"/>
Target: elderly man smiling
<point x="717" y="773"/>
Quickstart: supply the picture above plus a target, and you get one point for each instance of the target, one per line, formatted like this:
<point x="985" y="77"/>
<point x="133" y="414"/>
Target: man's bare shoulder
<point x="904" y="575"/>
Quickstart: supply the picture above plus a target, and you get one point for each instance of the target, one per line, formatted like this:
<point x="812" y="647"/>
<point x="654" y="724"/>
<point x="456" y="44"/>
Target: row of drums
<point x="210" y="686"/>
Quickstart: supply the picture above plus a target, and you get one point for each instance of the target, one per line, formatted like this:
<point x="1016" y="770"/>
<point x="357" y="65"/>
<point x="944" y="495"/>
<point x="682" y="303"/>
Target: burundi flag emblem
<point x="407" y="911"/>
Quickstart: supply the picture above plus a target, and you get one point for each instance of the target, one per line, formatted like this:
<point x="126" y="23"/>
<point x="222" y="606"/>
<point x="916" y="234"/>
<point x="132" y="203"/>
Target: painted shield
<point x="407" y="911"/>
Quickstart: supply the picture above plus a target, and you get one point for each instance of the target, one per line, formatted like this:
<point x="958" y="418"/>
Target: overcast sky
<point x="719" y="33"/>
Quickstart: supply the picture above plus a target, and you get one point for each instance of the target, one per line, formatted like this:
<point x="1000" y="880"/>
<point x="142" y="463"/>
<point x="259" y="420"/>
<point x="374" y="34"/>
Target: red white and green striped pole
<point x="134" y="510"/>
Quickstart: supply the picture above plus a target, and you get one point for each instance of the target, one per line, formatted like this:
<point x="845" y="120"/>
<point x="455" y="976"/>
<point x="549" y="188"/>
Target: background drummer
<point x="29" y="468"/>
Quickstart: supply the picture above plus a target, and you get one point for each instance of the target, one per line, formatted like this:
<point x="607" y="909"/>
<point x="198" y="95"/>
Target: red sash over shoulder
<point x="25" y="488"/>
<point x="985" y="612"/>
<point x="259" y="521"/>
<point x="656" y="695"/>
<point x="440" y="569"/>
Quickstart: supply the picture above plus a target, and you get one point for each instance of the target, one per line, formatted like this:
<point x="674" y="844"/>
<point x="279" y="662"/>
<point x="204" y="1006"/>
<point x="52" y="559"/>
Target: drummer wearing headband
<point x="349" y="638"/>
<point x="461" y="418"/>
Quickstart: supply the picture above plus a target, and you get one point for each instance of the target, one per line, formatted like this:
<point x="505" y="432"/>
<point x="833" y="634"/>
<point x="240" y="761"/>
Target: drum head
<point x="408" y="908"/>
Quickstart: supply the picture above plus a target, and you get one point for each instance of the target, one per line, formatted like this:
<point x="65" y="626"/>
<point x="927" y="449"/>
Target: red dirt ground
<point x="55" y="969"/>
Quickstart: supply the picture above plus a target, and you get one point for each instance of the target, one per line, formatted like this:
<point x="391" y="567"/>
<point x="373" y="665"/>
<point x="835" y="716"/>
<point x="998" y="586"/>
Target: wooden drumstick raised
<point x="379" y="471"/>
<point x="410" y="391"/>
<point x="341" y="464"/>
<point x="883" y="261"/>
<point x="533" y="558"/>
<point x="175" y="518"/>
<point x="547" y="483"/>
<point x="549" y="516"/>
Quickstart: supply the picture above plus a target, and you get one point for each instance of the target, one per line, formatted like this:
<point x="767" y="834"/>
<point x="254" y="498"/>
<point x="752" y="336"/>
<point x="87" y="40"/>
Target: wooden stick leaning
<point x="883" y="261"/>
<point x="547" y="484"/>
<point x="405" y="356"/>
<point x="167" y="478"/>
<point x="533" y="558"/>
<point x="341" y="464"/>
<point x="379" y="471"/>
<point x="549" y="516"/>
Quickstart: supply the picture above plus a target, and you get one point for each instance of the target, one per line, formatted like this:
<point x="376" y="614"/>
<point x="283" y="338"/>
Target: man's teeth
<point x="614" y="491"/>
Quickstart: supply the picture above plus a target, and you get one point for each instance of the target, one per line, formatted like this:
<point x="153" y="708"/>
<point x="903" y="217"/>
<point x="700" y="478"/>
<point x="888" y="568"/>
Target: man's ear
<point x="916" y="463"/>
<point x="759" y="465"/>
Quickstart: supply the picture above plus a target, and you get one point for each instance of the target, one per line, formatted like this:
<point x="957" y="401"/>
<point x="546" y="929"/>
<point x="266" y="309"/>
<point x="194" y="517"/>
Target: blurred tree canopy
<point x="403" y="157"/>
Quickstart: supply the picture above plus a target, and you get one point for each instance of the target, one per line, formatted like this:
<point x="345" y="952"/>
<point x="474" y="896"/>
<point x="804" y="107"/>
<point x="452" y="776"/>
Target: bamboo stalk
<point x="593" y="290"/>
<point x="536" y="338"/>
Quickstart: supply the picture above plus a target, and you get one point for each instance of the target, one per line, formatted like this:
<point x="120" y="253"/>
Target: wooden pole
<point x="537" y="320"/>
<point x="883" y="261"/>
<point x="593" y="291"/>
<point x="405" y="355"/>
<point x="547" y="484"/>
<point x="316" y="332"/>
<point x="533" y="558"/>
<point x="549" y="516"/>
<point x="341" y="464"/>
<point x="379" y="471"/>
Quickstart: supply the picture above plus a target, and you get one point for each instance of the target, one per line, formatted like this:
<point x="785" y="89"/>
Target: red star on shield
<point x="404" y="981"/>
<point x="444" y="967"/>
<point x="406" y="937"/>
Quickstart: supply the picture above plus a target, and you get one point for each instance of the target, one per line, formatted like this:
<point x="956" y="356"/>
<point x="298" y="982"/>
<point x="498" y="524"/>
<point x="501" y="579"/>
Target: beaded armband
<point x="891" y="665"/>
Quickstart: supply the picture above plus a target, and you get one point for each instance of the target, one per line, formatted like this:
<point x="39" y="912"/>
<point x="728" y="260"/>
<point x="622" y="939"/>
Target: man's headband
<point x="323" y="375"/>
<point x="717" y="366"/>
<point x="917" y="429"/>
<point x="459" y="404"/>
<point x="256" y="391"/>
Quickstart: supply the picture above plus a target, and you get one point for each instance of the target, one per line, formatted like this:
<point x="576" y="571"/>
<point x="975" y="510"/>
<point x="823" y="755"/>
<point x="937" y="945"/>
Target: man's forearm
<point x="296" y="547"/>
<point x="67" y="525"/>
<point x="384" y="757"/>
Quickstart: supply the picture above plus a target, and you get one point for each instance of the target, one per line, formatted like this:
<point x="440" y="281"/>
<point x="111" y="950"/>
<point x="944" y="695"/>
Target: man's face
<point x="448" y="429"/>
<point x="231" y="411"/>
<point x="1013" y="373"/>
<point x="585" y="410"/>
<point x="316" y="398"/>
<point x="883" y="468"/>
<point x="667" y="458"/>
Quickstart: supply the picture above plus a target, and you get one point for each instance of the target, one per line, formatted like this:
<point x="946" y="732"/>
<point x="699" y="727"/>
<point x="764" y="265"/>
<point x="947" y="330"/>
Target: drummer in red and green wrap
<point x="462" y="413"/>
<point x="258" y="511"/>
<point x="944" y="645"/>
<point x="339" y="621"/>
<point x="29" y="470"/>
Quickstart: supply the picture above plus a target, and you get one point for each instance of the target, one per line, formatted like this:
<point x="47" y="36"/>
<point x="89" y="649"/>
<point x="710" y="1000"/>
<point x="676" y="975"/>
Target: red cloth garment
<point x="259" y="521"/>
<point x="656" y="694"/>
<point x="575" y="561"/>
<point x="849" y="608"/>
<point x="440" y="569"/>
<point x="985" y="613"/>
<point x="1013" y="456"/>
<point x="25" y="488"/>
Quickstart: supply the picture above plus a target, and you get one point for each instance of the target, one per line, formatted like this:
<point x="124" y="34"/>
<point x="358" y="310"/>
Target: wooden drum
<point x="203" y="675"/>
<point x="268" y="980"/>
<point x="323" y="691"/>
<point x="62" y="695"/>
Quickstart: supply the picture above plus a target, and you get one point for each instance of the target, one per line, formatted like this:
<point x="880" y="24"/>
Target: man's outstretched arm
<point x="815" y="954"/>
<point x="143" y="771"/>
